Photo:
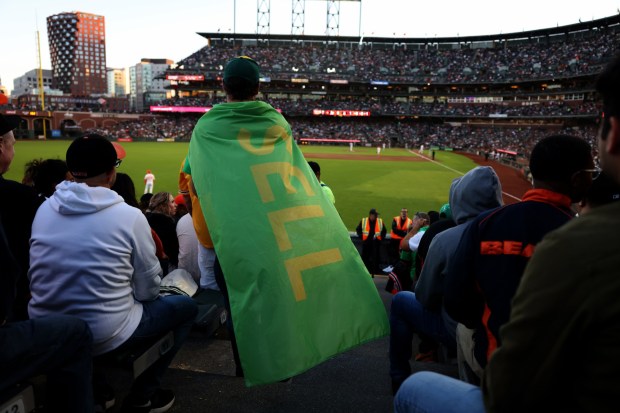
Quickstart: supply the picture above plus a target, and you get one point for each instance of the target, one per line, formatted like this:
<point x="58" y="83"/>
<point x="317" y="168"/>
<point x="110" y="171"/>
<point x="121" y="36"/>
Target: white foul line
<point x="454" y="170"/>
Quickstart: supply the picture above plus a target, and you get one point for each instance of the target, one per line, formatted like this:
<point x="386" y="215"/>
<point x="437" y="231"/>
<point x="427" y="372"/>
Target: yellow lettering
<point x="278" y="219"/>
<point x="286" y="171"/>
<point x="272" y="135"/>
<point x="295" y="266"/>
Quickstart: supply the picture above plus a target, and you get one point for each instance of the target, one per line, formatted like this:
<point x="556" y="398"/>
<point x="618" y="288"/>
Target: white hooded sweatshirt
<point x="92" y="256"/>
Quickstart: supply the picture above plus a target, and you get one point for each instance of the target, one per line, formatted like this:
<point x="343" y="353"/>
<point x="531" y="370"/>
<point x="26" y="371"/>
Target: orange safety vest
<point x="366" y="228"/>
<point x="408" y="222"/>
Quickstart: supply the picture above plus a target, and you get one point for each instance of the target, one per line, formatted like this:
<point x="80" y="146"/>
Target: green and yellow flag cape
<point x="299" y="292"/>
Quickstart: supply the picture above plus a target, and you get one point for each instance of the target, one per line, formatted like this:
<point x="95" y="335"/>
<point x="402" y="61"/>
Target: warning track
<point x="354" y="157"/>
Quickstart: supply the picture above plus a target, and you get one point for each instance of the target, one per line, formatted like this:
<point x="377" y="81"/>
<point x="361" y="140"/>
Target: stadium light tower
<point x="333" y="18"/>
<point x="332" y="27"/>
<point x="263" y="16"/>
<point x="298" y="17"/>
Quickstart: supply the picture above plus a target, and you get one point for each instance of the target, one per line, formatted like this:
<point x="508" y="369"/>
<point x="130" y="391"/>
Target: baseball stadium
<point x="394" y="124"/>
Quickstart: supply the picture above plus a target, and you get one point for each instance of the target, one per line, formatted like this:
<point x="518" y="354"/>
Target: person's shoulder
<point x="19" y="194"/>
<point x="586" y="241"/>
<point x="8" y="186"/>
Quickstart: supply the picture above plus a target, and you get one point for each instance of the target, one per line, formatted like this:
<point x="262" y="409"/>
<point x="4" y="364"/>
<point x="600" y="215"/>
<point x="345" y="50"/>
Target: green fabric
<point x="297" y="298"/>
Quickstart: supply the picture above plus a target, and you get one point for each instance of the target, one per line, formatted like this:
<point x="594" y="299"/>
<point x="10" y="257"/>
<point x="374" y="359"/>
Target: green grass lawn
<point x="388" y="186"/>
<point x="357" y="185"/>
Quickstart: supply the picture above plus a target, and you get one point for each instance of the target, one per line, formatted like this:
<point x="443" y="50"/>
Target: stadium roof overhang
<point x="577" y="27"/>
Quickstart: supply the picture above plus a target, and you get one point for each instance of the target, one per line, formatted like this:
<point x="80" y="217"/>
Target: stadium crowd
<point x="387" y="106"/>
<point x="178" y="128"/>
<point x="542" y="59"/>
<point x="114" y="276"/>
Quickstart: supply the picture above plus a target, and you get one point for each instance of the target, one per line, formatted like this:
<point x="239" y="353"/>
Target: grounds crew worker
<point x="400" y="225"/>
<point x="372" y="231"/>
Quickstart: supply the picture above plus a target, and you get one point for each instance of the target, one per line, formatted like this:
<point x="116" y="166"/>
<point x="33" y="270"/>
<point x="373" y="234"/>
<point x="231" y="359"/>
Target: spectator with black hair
<point x="58" y="346"/>
<point x="316" y="168"/>
<point x="17" y="210"/>
<point x="48" y="173"/>
<point x="603" y="191"/>
<point x="494" y="250"/>
<point x="423" y="312"/>
<point x="160" y="216"/>
<point x="124" y="186"/>
<point x="560" y="348"/>
<point x="92" y="256"/>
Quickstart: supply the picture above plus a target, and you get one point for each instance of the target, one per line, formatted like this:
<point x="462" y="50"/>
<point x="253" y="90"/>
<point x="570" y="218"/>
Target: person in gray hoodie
<point x="93" y="256"/>
<point x="422" y="312"/>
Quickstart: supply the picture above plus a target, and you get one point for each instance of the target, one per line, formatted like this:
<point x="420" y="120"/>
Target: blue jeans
<point x="173" y="312"/>
<point x="409" y="316"/>
<point x="428" y="392"/>
<point x="58" y="346"/>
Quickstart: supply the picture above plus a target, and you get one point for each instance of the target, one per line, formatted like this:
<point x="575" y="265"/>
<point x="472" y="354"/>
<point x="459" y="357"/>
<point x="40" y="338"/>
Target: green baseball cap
<point x="445" y="211"/>
<point x="244" y="67"/>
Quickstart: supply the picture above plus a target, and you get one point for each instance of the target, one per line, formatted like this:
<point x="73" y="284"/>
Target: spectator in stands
<point x="409" y="244"/>
<point x="423" y="312"/>
<point x="206" y="252"/>
<point x="124" y="186"/>
<point x="371" y="230"/>
<point x="17" y="209"/>
<point x="29" y="170"/>
<point x="107" y="275"/>
<point x="58" y="346"/>
<point x="160" y="216"/>
<point x="444" y="222"/>
<point x="188" y="247"/>
<point x="560" y="346"/>
<point x="241" y="84"/>
<point x="47" y="174"/>
<point x="316" y="168"/>
<point x="603" y="191"/>
<point x="145" y="200"/>
<point x="182" y="209"/>
<point x="419" y="225"/>
<point x="485" y="271"/>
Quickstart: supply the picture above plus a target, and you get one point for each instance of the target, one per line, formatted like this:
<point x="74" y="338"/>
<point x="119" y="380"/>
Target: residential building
<point x="77" y="50"/>
<point x="147" y="83"/>
<point x="117" y="82"/>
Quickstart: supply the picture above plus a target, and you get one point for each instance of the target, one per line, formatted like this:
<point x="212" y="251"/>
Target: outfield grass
<point x="357" y="184"/>
<point x="385" y="185"/>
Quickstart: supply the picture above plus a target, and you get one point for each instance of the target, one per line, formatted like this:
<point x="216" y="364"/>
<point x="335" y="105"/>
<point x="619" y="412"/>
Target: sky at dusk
<point x="167" y="29"/>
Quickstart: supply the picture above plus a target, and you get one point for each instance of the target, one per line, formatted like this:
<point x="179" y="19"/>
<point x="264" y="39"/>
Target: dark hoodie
<point x="475" y="192"/>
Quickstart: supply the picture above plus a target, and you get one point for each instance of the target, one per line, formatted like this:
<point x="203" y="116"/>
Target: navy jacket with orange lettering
<point x="491" y="259"/>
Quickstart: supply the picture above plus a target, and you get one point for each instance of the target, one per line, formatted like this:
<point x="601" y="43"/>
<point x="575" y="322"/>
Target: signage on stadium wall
<point x="338" y="81"/>
<point x="498" y="115"/>
<point x="329" y="140"/>
<point x="300" y="80"/>
<point x="379" y="82"/>
<point x="264" y="79"/>
<point x="342" y="113"/>
<point x="182" y="78"/>
<point x="185" y="109"/>
<point x="180" y="109"/>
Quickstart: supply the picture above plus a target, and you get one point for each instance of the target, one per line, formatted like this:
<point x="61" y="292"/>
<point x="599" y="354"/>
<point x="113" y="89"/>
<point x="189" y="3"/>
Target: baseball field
<point x="360" y="179"/>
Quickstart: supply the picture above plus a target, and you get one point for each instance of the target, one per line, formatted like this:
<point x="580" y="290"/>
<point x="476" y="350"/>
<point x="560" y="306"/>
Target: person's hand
<point x="417" y="224"/>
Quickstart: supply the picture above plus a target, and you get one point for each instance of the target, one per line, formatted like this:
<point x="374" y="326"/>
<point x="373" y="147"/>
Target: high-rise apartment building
<point x="117" y="82"/>
<point x="147" y="84"/>
<point x="77" y="49"/>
